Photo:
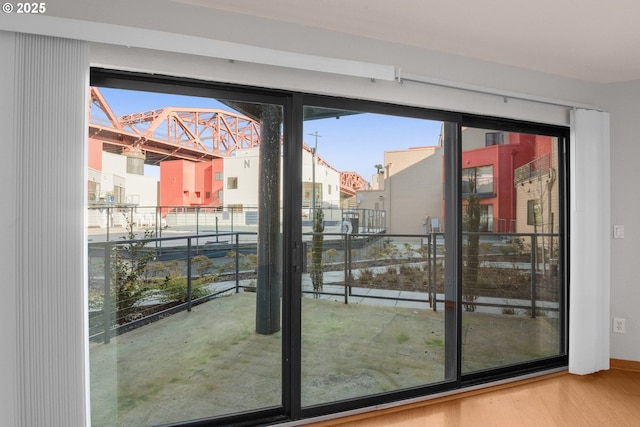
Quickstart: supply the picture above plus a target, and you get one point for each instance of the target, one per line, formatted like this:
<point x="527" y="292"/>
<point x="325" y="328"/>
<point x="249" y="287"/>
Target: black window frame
<point x="293" y="104"/>
<point x="562" y="133"/>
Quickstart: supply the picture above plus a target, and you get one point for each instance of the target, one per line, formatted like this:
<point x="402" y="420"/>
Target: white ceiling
<point x="593" y="40"/>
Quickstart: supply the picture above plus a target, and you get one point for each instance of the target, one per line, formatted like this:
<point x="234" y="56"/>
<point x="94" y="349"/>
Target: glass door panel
<point x="511" y="289"/>
<point x="373" y="232"/>
<point x="184" y="272"/>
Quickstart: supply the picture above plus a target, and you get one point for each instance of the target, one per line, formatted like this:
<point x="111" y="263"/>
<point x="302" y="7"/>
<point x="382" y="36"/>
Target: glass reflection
<point x="185" y="255"/>
<point x="372" y="311"/>
<point x="510" y="280"/>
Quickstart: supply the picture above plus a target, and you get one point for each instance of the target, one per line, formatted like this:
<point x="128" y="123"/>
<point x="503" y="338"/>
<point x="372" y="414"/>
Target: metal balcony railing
<point x="535" y="169"/>
<point x="134" y="282"/>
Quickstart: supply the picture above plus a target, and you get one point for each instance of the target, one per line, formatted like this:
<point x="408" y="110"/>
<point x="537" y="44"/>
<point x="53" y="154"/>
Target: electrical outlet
<point x="618" y="231"/>
<point x="619" y="326"/>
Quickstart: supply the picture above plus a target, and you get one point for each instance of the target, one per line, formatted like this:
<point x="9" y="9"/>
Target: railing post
<point x="237" y="263"/>
<point x="108" y="221"/>
<point x="197" y="228"/>
<point x="427" y="268"/>
<point x="157" y="223"/>
<point x="159" y="235"/>
<point x="347" y="281"/>
<point x="534" y="249"/>
<point x="106" y="304"/>
<point x="189" y="290"/>
<point x="232" y="209"/>
<point x="350" y="264"/>
<point x="434" y="269"/>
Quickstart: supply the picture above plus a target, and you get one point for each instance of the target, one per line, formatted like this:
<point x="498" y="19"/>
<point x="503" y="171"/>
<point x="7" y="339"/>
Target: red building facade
<point x="488" y="172"/>
<point x="186" y="183"/>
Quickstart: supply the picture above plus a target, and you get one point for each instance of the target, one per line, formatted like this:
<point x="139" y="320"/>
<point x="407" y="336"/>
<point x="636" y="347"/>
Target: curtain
<point x="589" y="268"/>
<point x="46" y="110"/>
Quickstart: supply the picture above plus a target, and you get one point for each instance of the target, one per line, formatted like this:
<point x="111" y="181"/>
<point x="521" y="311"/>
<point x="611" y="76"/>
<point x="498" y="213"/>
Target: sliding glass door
<point x="512" y="287"/>
<point x="259" y="256"/>
<point x="185" y="257"/>
<point x="374" y="216"/>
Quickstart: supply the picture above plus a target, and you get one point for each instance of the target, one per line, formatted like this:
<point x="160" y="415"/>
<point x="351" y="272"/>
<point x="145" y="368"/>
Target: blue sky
<point x="351" y="143"/>
<point x="357" y="143"/>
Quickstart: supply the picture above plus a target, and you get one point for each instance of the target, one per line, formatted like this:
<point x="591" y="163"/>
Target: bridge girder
<point x="194" y="134"/>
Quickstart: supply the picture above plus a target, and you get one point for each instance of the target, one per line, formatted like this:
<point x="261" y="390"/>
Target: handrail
<point x="110" y="326"/>
<point x="431" y="257"/>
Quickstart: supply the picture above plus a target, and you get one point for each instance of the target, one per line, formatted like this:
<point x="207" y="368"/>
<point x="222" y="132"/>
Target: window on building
<point x="236" y="209"/>
<point x="308" y="194"/>
<point x="493" y="138"/>
<point x="94" y="191"/>
<point x="219" y="176"/>
<point x="485" y="220"/>
<point x="119" y="194"/>
<point x="531" y="214"/>
<point x="232" y="183"/>
<point x="477" y="180"/>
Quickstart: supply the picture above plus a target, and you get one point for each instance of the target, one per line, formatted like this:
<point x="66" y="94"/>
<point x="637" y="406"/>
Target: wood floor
<point x="605" y="399"/>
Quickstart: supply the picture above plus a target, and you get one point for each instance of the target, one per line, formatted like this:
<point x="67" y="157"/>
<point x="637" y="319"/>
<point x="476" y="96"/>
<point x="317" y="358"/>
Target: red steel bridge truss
<point x="195" y="134"/>
<point x="170" y="133"/>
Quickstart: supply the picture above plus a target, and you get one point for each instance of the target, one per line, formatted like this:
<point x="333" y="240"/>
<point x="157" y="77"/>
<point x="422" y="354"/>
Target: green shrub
<point x="245" y="262"/>
<point x="202" y="264"/>
<point x="375" y="252"/>
<point x="96" y="300"/>
<point x="128" y="265"/>
<point x="332" y="255"/>
<point x="509" y="311"/>
<point x="408" y="250"/>
<point x="315" y="270"/>
<point x="174" y="288"/>
<point x="365" y="277"/>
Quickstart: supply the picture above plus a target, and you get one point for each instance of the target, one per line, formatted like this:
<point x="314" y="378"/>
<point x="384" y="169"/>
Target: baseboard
<point x="624" y="365"/>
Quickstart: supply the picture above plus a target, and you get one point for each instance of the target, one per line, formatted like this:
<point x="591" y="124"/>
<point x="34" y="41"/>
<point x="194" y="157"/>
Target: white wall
<point x="245" y="167"/>
<point x="139" y="189"/>
<point x="142" y="190"/>
<point x="247" y="191"/>
<point x="324" y="175"/>
<point x="623" y="100"/>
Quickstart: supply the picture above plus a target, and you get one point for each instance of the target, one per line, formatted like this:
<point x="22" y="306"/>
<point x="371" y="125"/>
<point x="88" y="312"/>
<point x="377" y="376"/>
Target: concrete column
<point x="269" y="285"/>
